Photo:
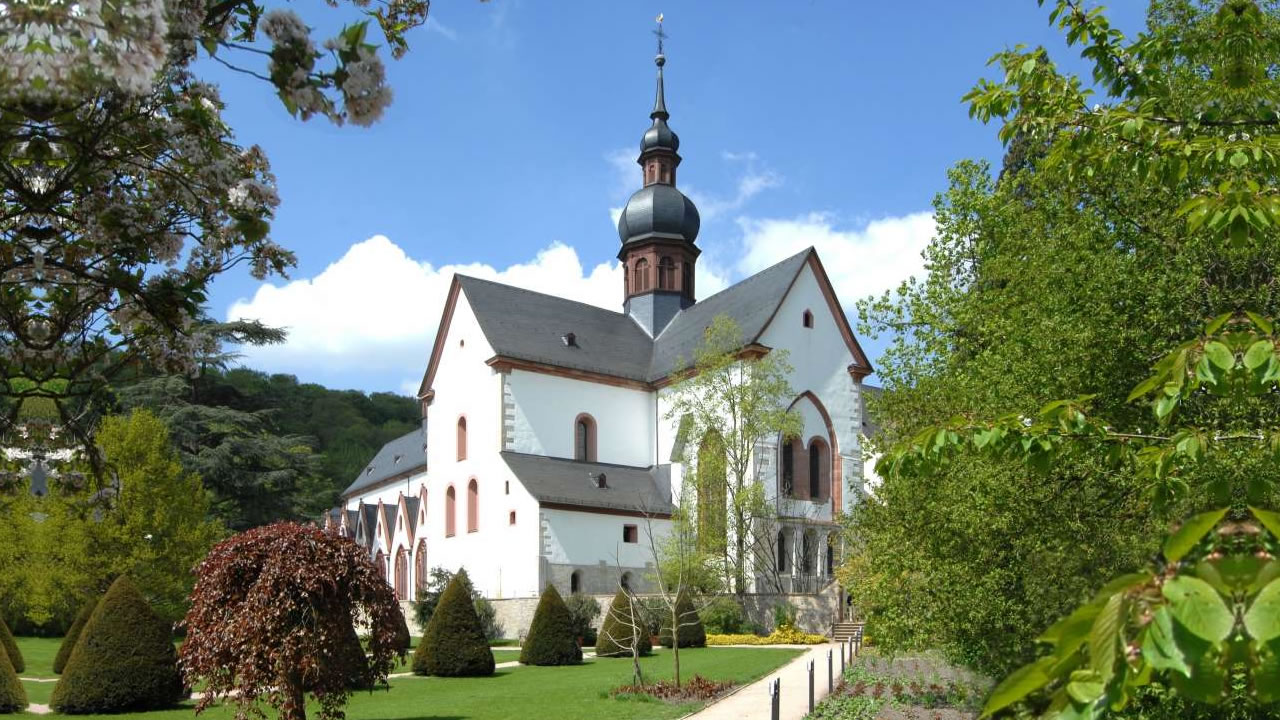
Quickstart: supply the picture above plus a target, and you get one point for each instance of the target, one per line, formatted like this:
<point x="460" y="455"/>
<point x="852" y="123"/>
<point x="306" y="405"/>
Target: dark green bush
<point x="12" y="697"/>
<point x="124" y="659"/>
<point x="551" y="639"/>
<point x="453" y="643"/>
<point x="584" y="610"/>
<point x="355" y="662"/>
<point x="621" y="629"/>
<point x="73" y="634"/>
<point x="429" y="596"/>
<point x="11" y="648"/>
<point x="724" y="616"/>
<point x="690" y="632"/>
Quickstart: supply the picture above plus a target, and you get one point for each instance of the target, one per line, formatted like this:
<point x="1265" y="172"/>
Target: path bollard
<point x="775" y="700"/>
<point x="831" y="681"/>
<point x="810" y="686"/>
<point x="857" y="641"/>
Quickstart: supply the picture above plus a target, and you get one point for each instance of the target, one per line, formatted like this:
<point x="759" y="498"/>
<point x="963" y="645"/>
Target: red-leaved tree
<point x="270" y="615"/>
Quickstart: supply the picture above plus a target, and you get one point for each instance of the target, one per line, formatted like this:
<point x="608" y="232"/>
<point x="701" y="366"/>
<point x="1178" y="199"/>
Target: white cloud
<point x="436" y="26"/>
<point x="860" y="261"/>
<point x="376" y="308"/>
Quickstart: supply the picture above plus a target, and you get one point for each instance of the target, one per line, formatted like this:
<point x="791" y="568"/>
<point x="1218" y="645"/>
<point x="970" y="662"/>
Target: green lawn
<point x="39" y="654"/>
<point x="527" y="693"/>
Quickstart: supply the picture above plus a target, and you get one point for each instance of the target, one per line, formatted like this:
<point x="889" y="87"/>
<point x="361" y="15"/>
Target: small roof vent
<point x="569" y="340"/>
<point x="601" y="480"/>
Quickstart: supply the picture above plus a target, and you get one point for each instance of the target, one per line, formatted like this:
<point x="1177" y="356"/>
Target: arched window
<point x="626" y="280"/>
<point x="450" y="504"/>
<point x="788" y="467"/>
<point x="808" y="546"/>
<point x="712" y="491"/>
<point x="462" y="438"/>
<point x="575" y="581"/>
<point x="641" y="282"/>
<point x="686" y="273"/>
<point x="402" y="574"/>
<point x="380" y="562"/>
<point x="782" y="551"/>
<point x="831" y="555"/>
<point x="666" y="274"/>
<point x="473" y="506"/>
<point x="818" y="464"/>
<point x="807" y="319"/>
<point x="584" y="438"/>
<point x="420" y="567"/>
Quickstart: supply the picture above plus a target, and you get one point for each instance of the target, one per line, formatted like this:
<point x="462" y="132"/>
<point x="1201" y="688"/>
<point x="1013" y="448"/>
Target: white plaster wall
<point x="820" y="361"/>
<point x="546" y="407"/>
<point x="581" y="538"/>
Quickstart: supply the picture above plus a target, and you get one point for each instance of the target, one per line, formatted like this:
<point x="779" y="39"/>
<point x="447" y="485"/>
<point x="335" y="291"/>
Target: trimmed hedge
<point x="73" y="634"/>
<point x="124" y="659"/>
<point x="453" y="643"/>
<point x="551" y="639"/>
<point x="620" y="625"/>
<point x="691" y="632"/>
<point x="11" y="648"/>
<point x="12" y="697"/>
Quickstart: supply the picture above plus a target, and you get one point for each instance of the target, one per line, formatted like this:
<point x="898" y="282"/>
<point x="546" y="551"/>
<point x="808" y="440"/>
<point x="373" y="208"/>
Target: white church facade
<point x="546" y="454"/>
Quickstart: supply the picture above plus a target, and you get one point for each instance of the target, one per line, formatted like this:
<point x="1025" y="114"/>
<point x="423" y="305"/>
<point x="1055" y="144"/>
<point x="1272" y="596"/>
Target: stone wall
<point x="516" y="614"/>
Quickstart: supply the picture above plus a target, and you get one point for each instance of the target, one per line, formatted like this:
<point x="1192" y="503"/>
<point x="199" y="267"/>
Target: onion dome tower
<point x="658" y="226"/>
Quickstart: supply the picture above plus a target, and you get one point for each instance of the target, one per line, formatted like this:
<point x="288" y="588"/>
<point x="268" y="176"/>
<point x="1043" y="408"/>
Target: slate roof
<point x="526" y="325"/>
<point x="571" y="482"/>
<point x="369" y="522"/>
<point x="409" y="449"/>
<point x="389" y="518"/>
<point x="352" y="518"/>
<point x="411" y="510"/>
<point x="870" y="426"/>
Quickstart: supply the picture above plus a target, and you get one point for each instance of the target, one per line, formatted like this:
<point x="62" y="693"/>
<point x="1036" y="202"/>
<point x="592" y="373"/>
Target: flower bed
<point x="875" y="687"/>
<point x="781" y="636"/>
<point x="696" y="688"/>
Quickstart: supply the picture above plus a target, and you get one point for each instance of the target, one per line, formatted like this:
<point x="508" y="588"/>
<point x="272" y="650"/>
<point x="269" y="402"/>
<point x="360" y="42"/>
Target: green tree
<point x="153" y="524"/>
<point x="453" y="643"/>
<point x="738" y="401"/>
<point x="1187" y="114"/>
<point x="551" y="639"/>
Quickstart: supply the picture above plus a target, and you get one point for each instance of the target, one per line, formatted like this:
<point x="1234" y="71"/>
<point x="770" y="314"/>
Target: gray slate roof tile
<point x="407" y="452"/>
<point x="571" y="482"/>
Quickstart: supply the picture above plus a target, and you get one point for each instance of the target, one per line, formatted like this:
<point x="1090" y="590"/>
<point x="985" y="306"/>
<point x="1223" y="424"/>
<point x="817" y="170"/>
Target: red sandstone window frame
<point x="666" y="273"/>
<point x="584" y="448"/>
<point x="462" y="438"/>
<point x="450" y="507"/>
<point x="473" y="506"/>
<point x="631" y="534"/>
<point x="641" y="283"/>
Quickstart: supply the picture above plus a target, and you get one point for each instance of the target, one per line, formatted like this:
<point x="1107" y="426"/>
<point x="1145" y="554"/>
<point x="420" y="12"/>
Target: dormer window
<point x="807" y="319"/>
<point x="569" y="339"/>
<point x="601" y="481"/>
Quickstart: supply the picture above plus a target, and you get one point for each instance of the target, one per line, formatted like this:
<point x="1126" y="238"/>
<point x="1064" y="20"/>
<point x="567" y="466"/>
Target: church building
<point x="545" y="452"/>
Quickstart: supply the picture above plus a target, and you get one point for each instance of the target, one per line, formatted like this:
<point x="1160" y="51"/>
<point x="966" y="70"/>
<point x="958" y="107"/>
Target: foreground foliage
<point x="623" y="632"/>
<point x="271" y="620"/>
<point x="1191" y="116"/>
<point x="123" y="661"/>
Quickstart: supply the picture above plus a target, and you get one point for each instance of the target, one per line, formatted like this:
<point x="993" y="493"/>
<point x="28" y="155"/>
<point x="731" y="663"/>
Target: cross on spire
<point x="659" y="32"/>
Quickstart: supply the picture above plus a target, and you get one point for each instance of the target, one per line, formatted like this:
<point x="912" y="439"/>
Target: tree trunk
<point x="295" y="700"/>
<point x="675" y="639"/>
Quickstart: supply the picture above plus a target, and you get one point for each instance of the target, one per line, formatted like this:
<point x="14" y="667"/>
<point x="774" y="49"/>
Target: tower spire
<point x="660" y="101"/>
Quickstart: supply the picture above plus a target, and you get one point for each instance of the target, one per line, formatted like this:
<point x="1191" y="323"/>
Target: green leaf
<point x="1199" y="608"/>
<point x="1086" y="687"/>
<point x="1159" y="648"/>
<point x="1070" y="631"/>
<point x="1028" y="66"/>
<point x="1124" y="582"/>
<point x="1105" y="639"/>
<point x="1021" y="683"/>
<point x="1220" y="355"/>
<point x="1190" y="534"/>
<point x="1270" y="520"/>
<point x="1258" y="354"/>
<point x="1262" y="620"/>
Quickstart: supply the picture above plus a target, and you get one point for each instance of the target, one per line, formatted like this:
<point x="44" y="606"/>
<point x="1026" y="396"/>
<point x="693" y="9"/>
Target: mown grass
<point x="578" y="692"/>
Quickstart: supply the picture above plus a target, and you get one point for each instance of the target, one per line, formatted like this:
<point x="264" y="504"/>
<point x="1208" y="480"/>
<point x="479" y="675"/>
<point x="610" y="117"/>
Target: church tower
<point x="658" y="227"/>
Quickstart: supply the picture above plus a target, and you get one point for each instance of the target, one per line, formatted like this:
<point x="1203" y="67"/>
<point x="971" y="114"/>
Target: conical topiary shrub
<point x="453" y="643"/>
<point x="691" y="632"/>
<point x="355" y="661"/>
<point x="12" y="697"/>
<point x="124" y="659"/>
<point x="403" y="640"/>
<point x="621" y="629"/>
<point x="11" y="648"/>
<point x="73" y="634"/>
<point x="551" y="640"/>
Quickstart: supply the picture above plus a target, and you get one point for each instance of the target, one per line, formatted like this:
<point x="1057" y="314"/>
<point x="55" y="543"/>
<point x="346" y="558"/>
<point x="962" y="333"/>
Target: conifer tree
<point x="124" y="659"/>
<point x="551" y="640"/>
<point x="691" y="633"/>
<point x="453" y="643"/>
<point x="621" y="630"/>
<point x="73" y="634"/>
<point x="11" y="648"/>
<point x="12" y="697"/>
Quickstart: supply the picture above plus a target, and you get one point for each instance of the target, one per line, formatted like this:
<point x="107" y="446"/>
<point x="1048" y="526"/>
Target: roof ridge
<point x="535" y="292"/>
<point x="575" y="460"/>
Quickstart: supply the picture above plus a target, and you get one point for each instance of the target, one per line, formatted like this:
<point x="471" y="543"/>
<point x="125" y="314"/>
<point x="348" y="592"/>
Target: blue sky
<point x="513" y="135"/>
